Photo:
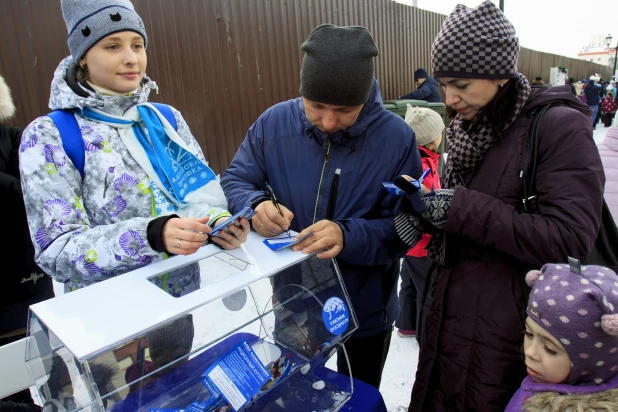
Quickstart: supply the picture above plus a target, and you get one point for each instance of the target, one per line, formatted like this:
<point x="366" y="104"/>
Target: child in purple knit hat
<point x="571" y="340"/>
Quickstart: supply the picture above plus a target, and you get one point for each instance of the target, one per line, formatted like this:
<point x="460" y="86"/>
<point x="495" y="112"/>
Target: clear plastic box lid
<point x="146" y="339"/>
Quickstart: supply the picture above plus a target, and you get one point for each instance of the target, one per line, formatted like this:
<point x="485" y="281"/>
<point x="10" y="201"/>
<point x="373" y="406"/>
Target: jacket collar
<point x="529" y="385"/>
<point x="429" y="153"/>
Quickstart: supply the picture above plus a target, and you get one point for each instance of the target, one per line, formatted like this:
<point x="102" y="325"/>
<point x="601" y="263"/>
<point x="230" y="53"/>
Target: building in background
<point x="599" y="55"/>
<point x="598" y="51"/>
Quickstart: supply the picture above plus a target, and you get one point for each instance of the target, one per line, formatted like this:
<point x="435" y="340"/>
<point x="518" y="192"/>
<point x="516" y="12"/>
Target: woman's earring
<point x="501" y="85"/>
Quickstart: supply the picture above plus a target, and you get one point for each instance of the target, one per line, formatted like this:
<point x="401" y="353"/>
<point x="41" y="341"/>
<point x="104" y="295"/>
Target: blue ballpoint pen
<point x="425" y="174"/>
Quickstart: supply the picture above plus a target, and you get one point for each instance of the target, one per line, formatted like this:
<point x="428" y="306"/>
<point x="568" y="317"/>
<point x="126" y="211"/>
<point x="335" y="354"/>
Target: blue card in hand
<point x="247" y="213"/>
<point x="278" y="243"/>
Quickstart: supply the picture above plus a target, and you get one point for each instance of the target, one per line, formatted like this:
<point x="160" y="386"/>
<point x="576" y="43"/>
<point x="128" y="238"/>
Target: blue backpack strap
<point x="71" y="136"/>
<point x="167" y="112"/>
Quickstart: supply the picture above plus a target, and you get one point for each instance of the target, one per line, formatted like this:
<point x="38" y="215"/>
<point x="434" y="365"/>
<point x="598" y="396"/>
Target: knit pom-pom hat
<point x="426" y="123"/>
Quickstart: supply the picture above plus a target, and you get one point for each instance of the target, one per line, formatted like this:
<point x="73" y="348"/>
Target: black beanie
<point x="338" y="67"/>
<point x="476" y="43"/>
<point x="420" y="74"/>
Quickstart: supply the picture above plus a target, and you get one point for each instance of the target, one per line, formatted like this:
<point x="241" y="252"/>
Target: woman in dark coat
<point x="470" y="358"/>
<point x="23" y="282"/>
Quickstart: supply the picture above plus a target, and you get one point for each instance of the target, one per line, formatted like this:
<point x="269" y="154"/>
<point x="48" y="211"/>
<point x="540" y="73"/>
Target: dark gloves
<point x="411" y="203"/>
<point x="437" y="205"/>
<point x="408" y="228"/>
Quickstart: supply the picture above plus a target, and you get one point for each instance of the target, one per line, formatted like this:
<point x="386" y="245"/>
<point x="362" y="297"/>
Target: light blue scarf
<point x="177" y="171"/>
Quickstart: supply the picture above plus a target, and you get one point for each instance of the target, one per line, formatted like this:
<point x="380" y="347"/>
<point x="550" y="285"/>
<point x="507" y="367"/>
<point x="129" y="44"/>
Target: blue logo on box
<point x="335" y="315"/>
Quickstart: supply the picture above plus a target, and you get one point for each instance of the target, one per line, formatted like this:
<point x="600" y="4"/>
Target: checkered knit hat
<point x="89" y="21"/>
<point x="476" y="43"/>
<point x="581" y="311"/>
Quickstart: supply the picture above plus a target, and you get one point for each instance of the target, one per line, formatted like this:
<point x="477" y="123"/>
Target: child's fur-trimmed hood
<point x="606" y="401"/>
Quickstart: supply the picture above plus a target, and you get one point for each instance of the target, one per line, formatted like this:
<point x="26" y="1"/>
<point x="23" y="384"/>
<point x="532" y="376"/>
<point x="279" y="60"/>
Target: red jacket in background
<point x="432" y="182"/>
<point x="608" y="105"/>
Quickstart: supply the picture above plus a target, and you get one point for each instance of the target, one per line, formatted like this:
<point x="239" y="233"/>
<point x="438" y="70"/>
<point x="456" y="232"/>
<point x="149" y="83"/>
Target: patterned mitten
<point x="408" y="228"/>
<point x="437" y="205"/>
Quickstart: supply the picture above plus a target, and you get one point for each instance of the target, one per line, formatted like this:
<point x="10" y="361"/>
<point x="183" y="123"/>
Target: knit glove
<point x="408" y="228"/>
<point x="437" y="204"/>
<point x="411" y="203"/>
<point x="412" y="199"/>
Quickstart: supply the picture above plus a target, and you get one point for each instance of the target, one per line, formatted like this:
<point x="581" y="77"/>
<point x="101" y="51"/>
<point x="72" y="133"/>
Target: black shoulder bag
<point x="605" y="248"/>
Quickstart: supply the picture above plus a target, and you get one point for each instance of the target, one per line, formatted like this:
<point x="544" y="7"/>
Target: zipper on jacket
<point x="324" y="168"/>
<point x="332" y="196"/>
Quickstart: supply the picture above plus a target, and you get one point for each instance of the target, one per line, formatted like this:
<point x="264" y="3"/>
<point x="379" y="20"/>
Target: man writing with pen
<point x="325" y="156"/>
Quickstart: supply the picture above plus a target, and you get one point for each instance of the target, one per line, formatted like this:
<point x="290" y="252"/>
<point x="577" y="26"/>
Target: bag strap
<point x="530" y="200"/>
<point x="71" y="135"/>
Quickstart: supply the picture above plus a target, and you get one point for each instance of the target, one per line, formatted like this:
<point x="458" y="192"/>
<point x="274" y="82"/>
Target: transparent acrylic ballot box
<point x="167" y="337"/>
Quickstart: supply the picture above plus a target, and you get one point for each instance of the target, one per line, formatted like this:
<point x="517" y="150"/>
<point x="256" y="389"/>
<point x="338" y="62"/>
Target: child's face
<point x="546" y="358"/>
<point x="435" y="144"/>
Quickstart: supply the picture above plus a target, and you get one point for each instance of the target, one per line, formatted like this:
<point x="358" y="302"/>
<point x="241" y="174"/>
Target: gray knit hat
<point x="581" y="311"/>
<point x="338" y="66"/>
<point x="426" y="123"/>
<point x="89" y="21"/>
<point x="477" y="43"/>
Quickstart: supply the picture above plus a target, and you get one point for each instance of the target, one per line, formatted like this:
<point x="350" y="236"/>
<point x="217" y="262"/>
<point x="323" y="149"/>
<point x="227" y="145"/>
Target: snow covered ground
<point x="599" y="134"/>
<point x="402" y="359"/>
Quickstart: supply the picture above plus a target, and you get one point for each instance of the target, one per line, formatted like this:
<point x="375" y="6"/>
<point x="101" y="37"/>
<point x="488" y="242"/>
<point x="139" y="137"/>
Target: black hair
<point x="499" y="110"/>
<point x="571" y="80"/>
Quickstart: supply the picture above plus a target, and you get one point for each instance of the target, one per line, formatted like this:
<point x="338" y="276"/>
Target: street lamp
<point x="608" y="40"/>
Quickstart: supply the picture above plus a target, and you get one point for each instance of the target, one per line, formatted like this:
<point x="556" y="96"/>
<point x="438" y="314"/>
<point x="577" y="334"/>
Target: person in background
<point x="483" y="239"/>
<point x="325" y="155"/>
<point x="132" y="204"/>
<point x="426" y="88"/>
<point x="428" y="127"/>
<point x="570" y="341"/>
<point x="24" y="283"/>
<point x="592" y="99"/>
<point x="612" y="87"/>
<point x="572" y="84"/>
<point x="608" y="106"/>
<point x="608" y="149"/>
<point x="538" y="81"/>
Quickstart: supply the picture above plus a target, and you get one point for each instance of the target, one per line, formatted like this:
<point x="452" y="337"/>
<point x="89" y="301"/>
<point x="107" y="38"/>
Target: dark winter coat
<point x="300" y="161"/>
<point x="592" y="94"/>
<point x="470" y="357"/>
<point x="24" y="283"/>
<point x="428" y="91"/>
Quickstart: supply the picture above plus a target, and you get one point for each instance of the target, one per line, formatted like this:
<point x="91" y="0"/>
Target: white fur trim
<point x="7" y="108"/>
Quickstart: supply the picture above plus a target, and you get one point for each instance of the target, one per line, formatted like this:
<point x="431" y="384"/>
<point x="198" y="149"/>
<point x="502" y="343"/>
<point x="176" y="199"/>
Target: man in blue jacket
<point x="426" y="88"/>
<point x="325" y="155"/>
